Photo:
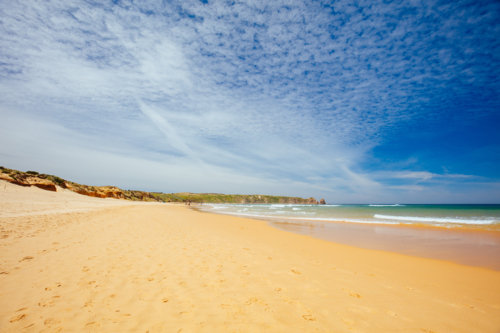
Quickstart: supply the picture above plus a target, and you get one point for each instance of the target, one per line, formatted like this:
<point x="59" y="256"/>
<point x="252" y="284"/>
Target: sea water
<point x="435" y="215"/>
<point x="378" y="227"/>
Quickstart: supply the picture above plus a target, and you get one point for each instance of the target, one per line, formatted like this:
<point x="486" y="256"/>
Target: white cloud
<point x="279" y="97"/>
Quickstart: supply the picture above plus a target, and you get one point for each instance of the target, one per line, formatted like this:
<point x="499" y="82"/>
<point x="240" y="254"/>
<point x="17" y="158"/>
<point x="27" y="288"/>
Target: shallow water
<point x="430" y="231"/>
<point x="468" y="247"/>
<point x="436" y="215"/>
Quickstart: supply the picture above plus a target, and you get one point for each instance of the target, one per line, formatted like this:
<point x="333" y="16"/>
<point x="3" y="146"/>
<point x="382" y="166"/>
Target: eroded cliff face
<point x="96" y="191"/>
<point x="25" y="179"/>
<point x="53" y="183"/>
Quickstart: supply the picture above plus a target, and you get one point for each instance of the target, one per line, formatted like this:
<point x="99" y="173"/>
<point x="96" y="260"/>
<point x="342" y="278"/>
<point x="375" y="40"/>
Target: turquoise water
<point x="437" y="215"/>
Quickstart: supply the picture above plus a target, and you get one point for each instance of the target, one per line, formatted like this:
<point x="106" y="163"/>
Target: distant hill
<point x="52" y="183"/>
<point x="234" y="198"/>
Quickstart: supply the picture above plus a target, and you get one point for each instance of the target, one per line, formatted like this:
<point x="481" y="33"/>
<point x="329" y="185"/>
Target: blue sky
<point x="351" y="101"/>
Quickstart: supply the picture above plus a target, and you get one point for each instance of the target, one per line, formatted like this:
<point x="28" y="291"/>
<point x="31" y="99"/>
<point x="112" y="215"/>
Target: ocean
<point x="432" y="215"/>
<point x="470" y="235"/>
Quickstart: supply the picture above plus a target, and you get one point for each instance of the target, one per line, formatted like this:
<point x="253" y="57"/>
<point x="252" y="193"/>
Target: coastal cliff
<point x="54" y="183"/>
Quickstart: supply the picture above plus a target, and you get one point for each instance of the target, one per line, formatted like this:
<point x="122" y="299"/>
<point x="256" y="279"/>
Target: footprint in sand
<point x="26" y="258"/>
<point x="49" y="302"/>
<point x="165" y="300"/>
<point x="390" y="313"/>
<point x="88" y="305"/>
<point x="53" y="286"/>
<point x="17" y="318"/>
<point x="251" y="301"/>
<point x="52" y="330"/>
<point x="51" y="322"/>
<point x="353" y="294"/>
<point x="22" y="309"/>
<point x="296" y="272"/>
<point x="308" y="317"/>
<point x="92" y="324"/>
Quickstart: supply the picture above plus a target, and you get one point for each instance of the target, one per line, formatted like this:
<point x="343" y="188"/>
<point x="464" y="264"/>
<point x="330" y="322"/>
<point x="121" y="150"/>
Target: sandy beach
<point x="70" y="263"/>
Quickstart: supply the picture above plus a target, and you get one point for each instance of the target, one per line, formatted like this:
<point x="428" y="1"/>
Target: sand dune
<point x="18" y="201"/>
<point x="70" y="263"/>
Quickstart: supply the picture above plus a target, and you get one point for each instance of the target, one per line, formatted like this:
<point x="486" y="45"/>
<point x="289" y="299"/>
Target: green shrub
<point x="57" y="180"/>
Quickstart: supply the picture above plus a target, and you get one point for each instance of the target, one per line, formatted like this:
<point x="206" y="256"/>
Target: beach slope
<point x="75" y="263"/>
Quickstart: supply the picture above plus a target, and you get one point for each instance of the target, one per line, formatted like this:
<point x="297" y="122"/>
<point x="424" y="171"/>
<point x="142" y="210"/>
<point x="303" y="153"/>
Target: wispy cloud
<point x="287" y="96"/>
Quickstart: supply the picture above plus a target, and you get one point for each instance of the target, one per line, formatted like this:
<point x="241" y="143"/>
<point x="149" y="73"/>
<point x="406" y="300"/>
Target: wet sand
<point x="480" y="248"/>
<point x="474" y="246"/>
<point x="164" y="268"/>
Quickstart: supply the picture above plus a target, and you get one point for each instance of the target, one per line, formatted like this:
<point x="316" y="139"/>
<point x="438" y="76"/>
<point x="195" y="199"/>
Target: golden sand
<point x="80" y="264"/>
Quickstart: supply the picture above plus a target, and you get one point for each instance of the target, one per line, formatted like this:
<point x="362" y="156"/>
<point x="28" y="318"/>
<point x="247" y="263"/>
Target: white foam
<point x="309" y="218"/>
<point x="396" y="205"/>
<point x="436" y="219"/>
<point x="306" y="214"/>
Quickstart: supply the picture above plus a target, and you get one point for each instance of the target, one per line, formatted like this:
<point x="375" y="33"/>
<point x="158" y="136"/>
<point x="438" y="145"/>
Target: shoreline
<point x="475" y="247"/>
<point x="451" y="226"/>
<point x="457" y="226"/>
<point x="165" y="268"/>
